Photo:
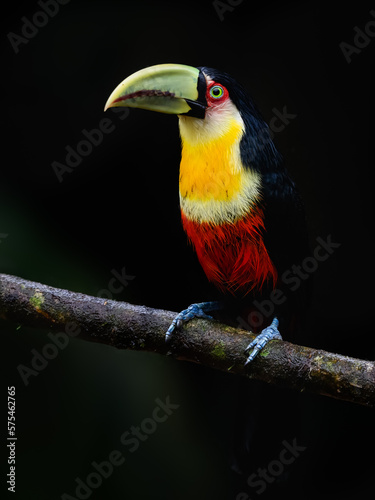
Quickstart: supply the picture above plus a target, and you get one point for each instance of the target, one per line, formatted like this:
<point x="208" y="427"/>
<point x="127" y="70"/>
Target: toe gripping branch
<point x="201" y="309"/>
<point x="198" y="310"/>
<point x="269" y="333"/>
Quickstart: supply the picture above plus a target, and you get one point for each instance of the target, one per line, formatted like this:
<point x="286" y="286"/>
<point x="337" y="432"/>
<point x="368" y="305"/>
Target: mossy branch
<point x="210" y="343"/>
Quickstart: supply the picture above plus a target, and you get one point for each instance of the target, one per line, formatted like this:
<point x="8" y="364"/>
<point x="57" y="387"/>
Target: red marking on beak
<point x="145" y="93"/>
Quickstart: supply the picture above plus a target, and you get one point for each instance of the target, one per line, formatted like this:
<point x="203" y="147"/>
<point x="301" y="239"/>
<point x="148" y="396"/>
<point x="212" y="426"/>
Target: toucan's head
<point x="208" y="102"/>
<point x="171" y="88"/>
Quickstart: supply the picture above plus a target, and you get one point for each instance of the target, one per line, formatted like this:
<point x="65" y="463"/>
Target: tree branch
<point x="210" y="343"/>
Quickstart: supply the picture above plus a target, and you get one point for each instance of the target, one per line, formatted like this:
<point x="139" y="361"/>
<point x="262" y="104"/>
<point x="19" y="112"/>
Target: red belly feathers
<point x="233" y="255"/>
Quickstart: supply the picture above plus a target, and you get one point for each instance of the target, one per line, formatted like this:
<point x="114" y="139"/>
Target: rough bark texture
<point x="213" y="344"/>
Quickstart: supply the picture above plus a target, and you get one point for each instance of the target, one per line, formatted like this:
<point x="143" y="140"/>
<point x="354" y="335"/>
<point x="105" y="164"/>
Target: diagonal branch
<point x="210" y="343"/>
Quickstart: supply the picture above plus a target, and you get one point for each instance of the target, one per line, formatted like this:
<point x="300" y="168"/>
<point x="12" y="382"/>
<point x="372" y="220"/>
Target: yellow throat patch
<point x="214" y="186"/>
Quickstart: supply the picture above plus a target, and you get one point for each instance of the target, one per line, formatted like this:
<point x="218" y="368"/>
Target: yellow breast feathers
<point x="214" y="186"/>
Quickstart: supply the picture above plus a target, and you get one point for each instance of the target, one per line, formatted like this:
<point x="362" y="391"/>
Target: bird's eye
<point x="216" y="91"/>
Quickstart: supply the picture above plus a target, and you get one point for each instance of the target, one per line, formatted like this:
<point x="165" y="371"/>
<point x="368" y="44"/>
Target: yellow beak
<point x="167" y="88"/>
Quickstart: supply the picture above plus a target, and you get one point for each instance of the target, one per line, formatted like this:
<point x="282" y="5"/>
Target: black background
<point x="119" y="209"/>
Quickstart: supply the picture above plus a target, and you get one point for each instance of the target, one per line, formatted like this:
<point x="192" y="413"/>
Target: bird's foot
<point x="199" y="310"/>
<point x="269" y="333"/>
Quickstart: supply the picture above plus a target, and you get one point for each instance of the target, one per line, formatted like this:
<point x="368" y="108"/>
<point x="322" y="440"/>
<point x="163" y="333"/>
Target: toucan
<point x="239" y="207"/>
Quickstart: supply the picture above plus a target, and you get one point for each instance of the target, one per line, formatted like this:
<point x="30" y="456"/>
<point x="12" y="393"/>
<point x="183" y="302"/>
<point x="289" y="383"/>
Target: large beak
<point x="167" y="88"/>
